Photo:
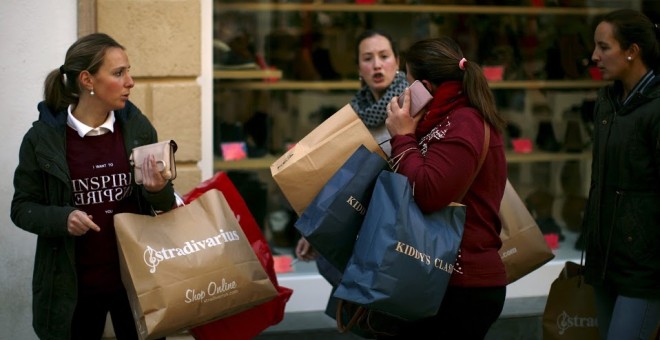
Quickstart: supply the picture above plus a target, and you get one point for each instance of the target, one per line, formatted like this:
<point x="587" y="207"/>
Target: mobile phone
<point x="419" y="96"/>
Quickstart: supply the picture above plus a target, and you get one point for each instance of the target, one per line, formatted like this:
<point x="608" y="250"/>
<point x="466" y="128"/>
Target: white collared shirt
<point x="84" y="130"/>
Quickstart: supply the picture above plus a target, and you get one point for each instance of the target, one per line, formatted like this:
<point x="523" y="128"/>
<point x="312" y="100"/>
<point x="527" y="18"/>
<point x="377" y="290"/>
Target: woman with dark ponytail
<point x="622" y="218"/>
<point x="439" y="150"/>
<point x="73" y="176"/>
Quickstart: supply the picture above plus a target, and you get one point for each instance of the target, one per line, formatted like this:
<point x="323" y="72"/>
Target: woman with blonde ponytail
<point x="73" y="176"/>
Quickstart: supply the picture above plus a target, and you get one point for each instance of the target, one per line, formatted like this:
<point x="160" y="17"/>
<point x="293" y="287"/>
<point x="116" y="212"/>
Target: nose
<point x="378" y="63"/>
<point x="129" y="82"/>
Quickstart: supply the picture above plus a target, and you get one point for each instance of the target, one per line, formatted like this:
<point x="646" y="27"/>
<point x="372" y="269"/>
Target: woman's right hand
<point x="305" y="251"/>
<point x="78" y="223"/>
<point x="399" y="121"/>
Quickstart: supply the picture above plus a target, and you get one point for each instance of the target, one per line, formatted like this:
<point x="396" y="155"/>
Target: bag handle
<point x="484" y="151"/>
<point x="359" y="313"/>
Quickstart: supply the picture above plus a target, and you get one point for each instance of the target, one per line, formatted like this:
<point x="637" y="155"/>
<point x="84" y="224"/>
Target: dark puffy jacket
<point x="622" y="218"/>
<point x="43" y="201"/>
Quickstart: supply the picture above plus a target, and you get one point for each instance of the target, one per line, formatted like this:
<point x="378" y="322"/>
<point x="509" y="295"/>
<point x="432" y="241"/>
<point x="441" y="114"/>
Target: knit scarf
<point x="448" y="97"/>
<point x="373" y="113"/>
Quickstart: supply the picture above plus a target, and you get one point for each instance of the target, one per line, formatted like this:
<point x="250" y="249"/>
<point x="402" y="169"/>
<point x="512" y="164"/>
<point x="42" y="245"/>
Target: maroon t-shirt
<point x="101" y="181"/>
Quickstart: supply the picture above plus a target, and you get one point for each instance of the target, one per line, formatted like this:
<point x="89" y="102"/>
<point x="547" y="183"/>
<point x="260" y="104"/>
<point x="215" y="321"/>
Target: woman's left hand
<point x="399" y="121"/>
<point x="152" y="176"/>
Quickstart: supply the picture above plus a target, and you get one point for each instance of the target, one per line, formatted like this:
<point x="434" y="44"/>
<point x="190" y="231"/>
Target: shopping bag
<point x="570" y="311"/>
<point x="524" y="248"/>
<point x="249" y="323"/>
<point x="188" y="266"/>
<point x="301" y="172"/>
<point x="331" y="221"/>
<point x="402" y="259"/>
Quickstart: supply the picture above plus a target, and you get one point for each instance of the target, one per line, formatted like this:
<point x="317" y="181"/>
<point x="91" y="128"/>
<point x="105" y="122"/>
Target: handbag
<point x="402" y="259"/>
<point x="188" y="266"/>
<point x="251" y="322"/>
<point x="164" y="154"/>
<point x="524" y="249"/>
<point x="331" y="221"/>
<point x="570" y="311"/>
<point x="301" y="172"/>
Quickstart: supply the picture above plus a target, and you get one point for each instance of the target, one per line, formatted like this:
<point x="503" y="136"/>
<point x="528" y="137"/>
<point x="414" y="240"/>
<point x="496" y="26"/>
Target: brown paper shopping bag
<point x="524" y="248"/>
<point x="570" y="312"/>
<point x="188" y="266"/>
<point x="302" y="171"/>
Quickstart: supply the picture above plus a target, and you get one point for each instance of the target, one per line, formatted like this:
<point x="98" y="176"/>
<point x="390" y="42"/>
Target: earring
<point x="91" y="93"/>
<point x="629" y="58"/>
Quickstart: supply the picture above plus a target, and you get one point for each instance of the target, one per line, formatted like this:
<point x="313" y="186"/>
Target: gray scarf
<point x="373" y="113"/>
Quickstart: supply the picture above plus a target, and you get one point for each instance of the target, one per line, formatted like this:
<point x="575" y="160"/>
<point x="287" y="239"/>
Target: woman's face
<point x="610" y="59"/>
<point x="377" y="64"/>
<point x="112" y="84"/>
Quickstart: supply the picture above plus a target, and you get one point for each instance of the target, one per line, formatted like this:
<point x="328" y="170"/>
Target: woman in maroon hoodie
<point x="439" y="152"/>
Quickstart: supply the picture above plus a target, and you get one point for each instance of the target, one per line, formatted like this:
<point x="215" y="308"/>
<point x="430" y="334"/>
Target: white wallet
<point x="164" y="153"/>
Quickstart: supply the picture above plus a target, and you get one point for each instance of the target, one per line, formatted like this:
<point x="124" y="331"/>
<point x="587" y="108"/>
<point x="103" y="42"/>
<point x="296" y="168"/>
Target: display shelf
<point x="534" y="90"/>
<point x="264" y="163"/>
<point x="287" y="85"/>
<point x="247" y="74"/>
<point x="411" y="8"/>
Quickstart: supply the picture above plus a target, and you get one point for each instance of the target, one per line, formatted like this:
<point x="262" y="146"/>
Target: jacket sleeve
<point x="36" y="187"/>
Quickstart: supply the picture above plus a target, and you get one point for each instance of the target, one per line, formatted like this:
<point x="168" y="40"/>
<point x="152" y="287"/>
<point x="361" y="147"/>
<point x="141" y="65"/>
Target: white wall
<point x="34" y="36"/>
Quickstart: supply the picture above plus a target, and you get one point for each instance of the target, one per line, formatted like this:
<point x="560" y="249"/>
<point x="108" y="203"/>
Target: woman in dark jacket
<point x="73" y="175"/>
<point x="622" y="218"/>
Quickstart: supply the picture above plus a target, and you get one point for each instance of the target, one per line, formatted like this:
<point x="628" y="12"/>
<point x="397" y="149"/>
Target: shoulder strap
<point x="484" y="151"/>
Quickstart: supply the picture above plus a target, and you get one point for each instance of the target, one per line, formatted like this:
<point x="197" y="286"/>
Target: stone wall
<point x="163" y="42"/>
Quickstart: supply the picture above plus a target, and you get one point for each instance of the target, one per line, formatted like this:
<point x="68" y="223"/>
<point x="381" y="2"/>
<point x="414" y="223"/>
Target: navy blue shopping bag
<point x="402" y="259"/>
<point x="331" y="221"/>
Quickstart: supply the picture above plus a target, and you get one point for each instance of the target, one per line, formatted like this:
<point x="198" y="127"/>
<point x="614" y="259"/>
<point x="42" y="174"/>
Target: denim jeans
<point x="623" y="318"/>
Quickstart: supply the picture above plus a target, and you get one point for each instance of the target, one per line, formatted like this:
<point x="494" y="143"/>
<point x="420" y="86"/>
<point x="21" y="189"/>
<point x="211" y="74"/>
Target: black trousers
<point x="465" y="314"/>
<point x="91" y="313"/>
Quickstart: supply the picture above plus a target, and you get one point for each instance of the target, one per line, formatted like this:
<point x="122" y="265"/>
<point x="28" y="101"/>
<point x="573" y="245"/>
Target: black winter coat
<point x="622" y="217"/>
<point x="43" y="201"/>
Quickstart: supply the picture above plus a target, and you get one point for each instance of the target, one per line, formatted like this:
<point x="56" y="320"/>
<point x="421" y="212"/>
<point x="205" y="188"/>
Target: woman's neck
<point x="90" y="115"/>
<point x="633" y="77"/>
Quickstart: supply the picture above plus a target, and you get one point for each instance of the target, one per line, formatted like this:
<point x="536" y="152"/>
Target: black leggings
<point x="465" y="313"/>
<point x="91" y="313"/>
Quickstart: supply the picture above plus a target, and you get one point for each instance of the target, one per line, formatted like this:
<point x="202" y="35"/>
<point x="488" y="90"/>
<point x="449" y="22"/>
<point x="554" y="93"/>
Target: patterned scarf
<point x="448" y="97"/>
<point x="373" y="113"/>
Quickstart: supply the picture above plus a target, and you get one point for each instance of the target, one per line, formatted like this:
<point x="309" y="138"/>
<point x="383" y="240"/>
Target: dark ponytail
<point x="439" y="59"/>
<point x="61" y="86"/>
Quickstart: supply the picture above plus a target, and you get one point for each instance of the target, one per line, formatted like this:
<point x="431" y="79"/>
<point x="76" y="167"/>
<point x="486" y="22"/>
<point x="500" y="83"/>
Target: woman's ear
<point x="86" y="80"/>
<point x="634" y="50"/>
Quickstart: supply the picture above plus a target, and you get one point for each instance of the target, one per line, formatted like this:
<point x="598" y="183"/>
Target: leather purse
<point x="164" y="153"/>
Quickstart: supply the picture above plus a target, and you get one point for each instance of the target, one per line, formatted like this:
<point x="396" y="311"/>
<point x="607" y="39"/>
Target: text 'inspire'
<point x="153" y="257"/>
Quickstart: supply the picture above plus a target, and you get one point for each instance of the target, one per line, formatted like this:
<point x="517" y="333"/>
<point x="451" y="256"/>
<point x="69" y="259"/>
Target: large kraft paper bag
<point x="303" y="170"/>
<point x="188" y="266"/>
<point x="570" y="312"/>
<point x="524" y="248"/>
